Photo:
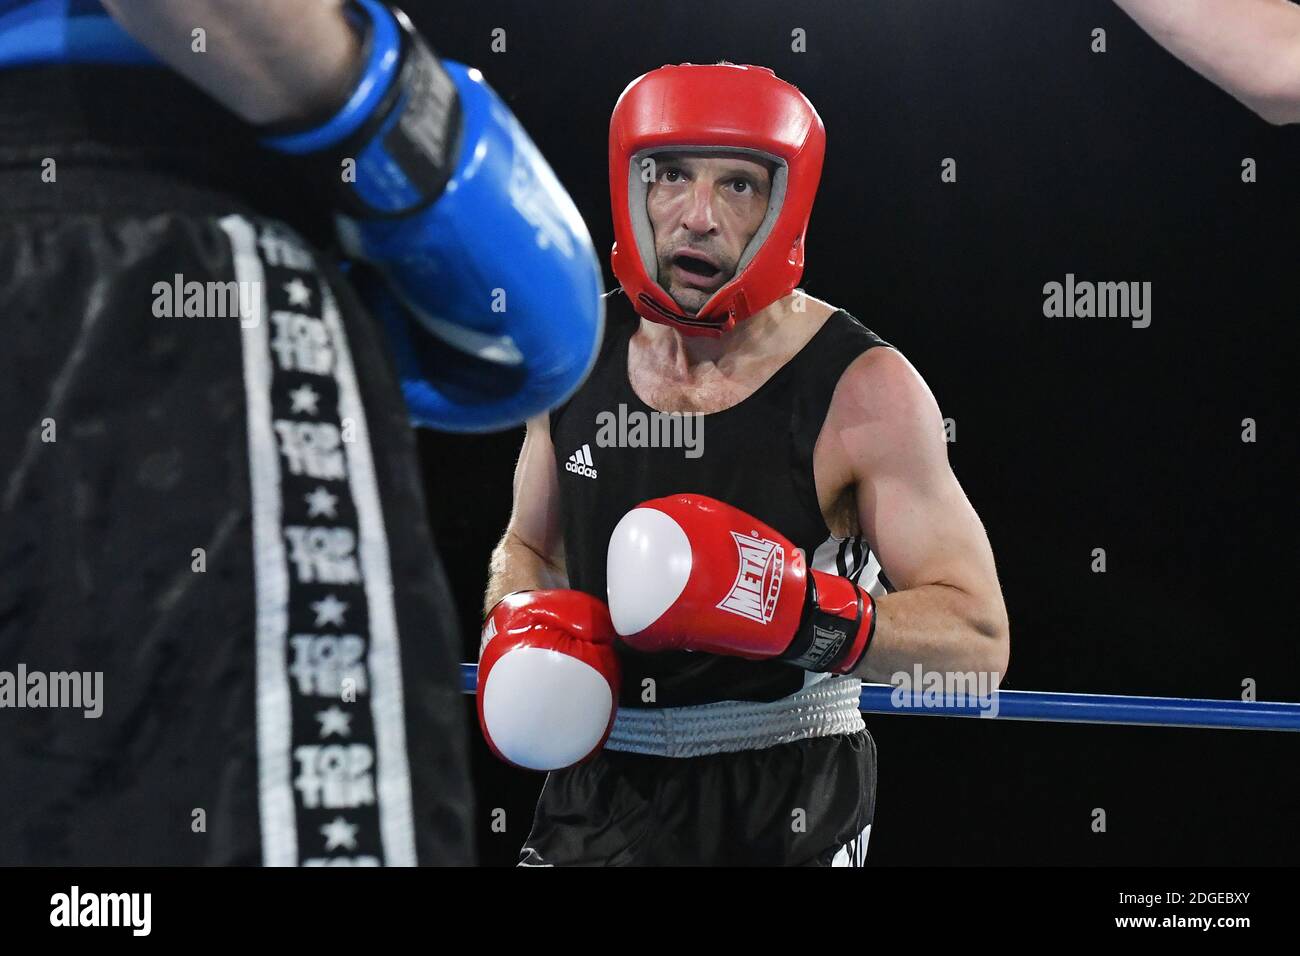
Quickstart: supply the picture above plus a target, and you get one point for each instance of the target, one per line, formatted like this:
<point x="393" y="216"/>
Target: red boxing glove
<point x="689" y="572"/>
<point x="548" y="678"/>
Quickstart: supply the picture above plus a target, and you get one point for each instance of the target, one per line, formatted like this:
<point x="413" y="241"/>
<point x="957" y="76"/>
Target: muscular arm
<point x="1250" y="48"/>
<point x="268" y="61"/>
<point x="531" y="552"/>
<point x="948" y="614"/>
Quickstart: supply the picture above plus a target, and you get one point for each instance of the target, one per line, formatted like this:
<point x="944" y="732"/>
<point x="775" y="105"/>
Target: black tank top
<point x="756" y="455"/>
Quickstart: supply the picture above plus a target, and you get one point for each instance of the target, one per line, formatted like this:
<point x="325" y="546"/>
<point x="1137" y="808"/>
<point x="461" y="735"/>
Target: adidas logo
<point x="580" y="463"/>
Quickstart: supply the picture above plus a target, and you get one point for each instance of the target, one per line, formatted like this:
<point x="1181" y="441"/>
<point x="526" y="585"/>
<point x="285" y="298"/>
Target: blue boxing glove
<point x="491" y="290"/>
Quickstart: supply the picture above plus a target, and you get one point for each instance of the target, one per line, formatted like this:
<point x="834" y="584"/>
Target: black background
<point x="1072" y="433"/>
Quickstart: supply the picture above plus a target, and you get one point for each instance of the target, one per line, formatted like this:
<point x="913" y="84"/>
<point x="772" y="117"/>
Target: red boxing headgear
<point x="729" y="108"/>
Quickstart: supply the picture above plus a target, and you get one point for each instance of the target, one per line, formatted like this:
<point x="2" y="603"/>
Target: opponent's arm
<point x="948" y="614"/>
<point x="478" y="264"/>
<point x="530" y="554"/>
<point x="268" y="63"/>
<point x="1250" y="48"/>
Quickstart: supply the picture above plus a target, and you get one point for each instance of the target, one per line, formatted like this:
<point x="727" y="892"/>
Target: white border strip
<point x="270" y="570"/>
<point x="393" y="784"/>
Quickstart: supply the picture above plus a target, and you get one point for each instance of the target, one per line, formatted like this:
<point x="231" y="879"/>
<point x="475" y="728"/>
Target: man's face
<point x="704" y="210"/>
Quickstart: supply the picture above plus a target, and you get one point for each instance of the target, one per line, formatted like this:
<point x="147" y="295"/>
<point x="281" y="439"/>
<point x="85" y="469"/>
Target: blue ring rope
<point x="1077" y="708"/>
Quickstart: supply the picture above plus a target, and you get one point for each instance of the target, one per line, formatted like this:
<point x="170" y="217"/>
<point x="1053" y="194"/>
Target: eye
<point x="742" y="185"/>
<point x="670" y="175"/>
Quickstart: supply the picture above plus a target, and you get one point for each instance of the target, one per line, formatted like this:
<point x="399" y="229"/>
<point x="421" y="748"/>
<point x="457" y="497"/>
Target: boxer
<point x="816" y="536"/>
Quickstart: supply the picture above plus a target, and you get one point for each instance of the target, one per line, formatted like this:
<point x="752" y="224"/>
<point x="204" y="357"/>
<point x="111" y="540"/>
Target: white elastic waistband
<point x="827" y="707"/>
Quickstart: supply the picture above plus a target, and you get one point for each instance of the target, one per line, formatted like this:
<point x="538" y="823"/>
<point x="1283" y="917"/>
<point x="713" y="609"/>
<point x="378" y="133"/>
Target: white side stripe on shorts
<point x="321" y="801"/>
<point x="854" y="853"/>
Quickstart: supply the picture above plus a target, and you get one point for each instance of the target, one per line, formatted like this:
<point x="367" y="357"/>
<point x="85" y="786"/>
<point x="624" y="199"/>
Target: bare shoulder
<point x="882" y="376"/>
<point x="882" y="407"/>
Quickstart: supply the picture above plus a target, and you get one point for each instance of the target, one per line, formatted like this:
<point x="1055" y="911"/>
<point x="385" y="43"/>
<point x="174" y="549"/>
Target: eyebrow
<point x="740" y="172"/>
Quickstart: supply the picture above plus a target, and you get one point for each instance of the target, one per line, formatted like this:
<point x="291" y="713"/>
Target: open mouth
<point x="695" y="267"/>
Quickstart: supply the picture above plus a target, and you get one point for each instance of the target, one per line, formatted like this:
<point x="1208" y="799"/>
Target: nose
<point x="697" y="216"/>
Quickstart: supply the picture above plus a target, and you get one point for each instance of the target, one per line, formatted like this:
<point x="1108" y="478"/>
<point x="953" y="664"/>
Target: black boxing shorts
<point x="805" y="803"/>
<point x="225" y="635"/>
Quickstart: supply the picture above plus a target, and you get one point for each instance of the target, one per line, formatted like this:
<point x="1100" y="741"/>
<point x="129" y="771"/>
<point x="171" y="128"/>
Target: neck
<point x="763" y="334"/>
